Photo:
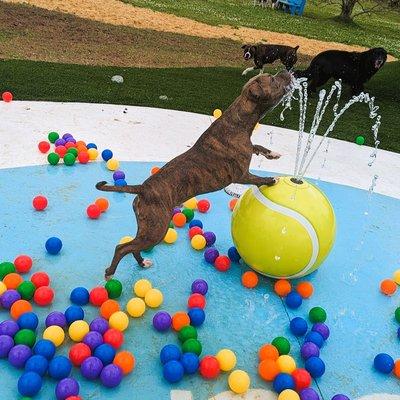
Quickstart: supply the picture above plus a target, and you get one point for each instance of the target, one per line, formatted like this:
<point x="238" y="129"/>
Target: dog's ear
<point x="253" y="49"/>
<point x="296" y="48"/>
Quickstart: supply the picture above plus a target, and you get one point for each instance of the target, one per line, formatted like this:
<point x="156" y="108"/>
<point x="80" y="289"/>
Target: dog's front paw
<point x="244" y="73"/>
<point x="107" y="275"/>
<point x="147" y="263"/>
<point x="271" y="181"/>
<point x="273" y="155"/>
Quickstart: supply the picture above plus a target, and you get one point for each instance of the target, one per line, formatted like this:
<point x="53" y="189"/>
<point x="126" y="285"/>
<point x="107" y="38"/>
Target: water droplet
<point x="284" y="230"/>
<point x="277" y="258"/>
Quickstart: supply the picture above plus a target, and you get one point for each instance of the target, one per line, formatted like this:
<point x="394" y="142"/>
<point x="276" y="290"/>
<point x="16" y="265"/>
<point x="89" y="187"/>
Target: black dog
<point x="267" y="54"/>
<point x="353" y="68"/>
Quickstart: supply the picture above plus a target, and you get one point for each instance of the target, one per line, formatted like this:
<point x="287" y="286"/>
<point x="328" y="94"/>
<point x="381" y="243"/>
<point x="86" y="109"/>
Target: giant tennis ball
<point x="285" y="230"/>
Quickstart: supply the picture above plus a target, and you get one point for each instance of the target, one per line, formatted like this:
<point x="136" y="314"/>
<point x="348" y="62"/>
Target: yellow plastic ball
<point x="239" y="381"/>
<point x="226" y="359"/>
<point x="257" y="126"/>
<point x="3" y="287"/>
<point x="396" y="277"/>
<point x="217" y="113"/>
<point x="78" y="330"/>
<point x="119" y="320"/>
<point x="171" y="236"/>
<point x="112" y="164"/>
<point x="286" y="364"/>
<point x="288" y="394"/>
<point x="125" y="239"/>
<point x="136" y="307"/>
<point x="198" y="242"/>
<point x="293" y="223"/>
<point x="191" y="203"/>
<point x="141" y="287"/>
<point x="93" y="154"/>
<point x="154" y="298"/>
<point x="55" y="334"/>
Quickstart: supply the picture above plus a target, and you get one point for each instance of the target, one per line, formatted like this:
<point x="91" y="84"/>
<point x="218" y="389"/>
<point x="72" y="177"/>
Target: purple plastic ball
<point x="162" y="321"/>
<point x="99" y="325"/>
<point x="70" y="139"/>
<point x="118" y="175"/>
<point x="6" y="344"/>
<point x="309" y="394"/>
<point x="66" y="136"/>
<point x="176" y="210"/>
<point x="56" y="318"/>
<point x="309" y="349"/>
<point x="111" y="376"/>
<point x="60" y="142"/>
<point x="322" y="329"/>
<point x="200" y="286"/>
<point x="19" y="355"/>
<point x="67" y="387"/>
<point x="91" y="368"/>
<point x="9" y="328"/>
<point x="93" y="339"/>
<point x="8" y="298"/>
<point x="211" y="255"/>
<point x="340" y="397"/>
<point x="210" y="238"/>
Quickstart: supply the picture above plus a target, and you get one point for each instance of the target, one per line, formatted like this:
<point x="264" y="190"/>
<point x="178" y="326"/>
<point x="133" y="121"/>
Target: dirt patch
<point x="118" y="13"/>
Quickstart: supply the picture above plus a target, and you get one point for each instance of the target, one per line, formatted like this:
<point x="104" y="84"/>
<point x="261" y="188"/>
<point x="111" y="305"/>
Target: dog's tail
<point x="133" y="189"/>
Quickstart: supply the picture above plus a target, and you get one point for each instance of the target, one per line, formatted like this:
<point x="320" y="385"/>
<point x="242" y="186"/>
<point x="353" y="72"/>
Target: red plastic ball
<point x="7" y="97"/>
<point x="43" y="296"/>
<point x="40" y="279"/>
<point x="78" y="353"/>
<point x="83" y="157"/>
<point x="203" y="205"/>
<point x="93" y="211"/>
<point x="44" y="146"/>
<point x="68" y="145"/>
<point x="114" y="338"/>
<point x="61" y="151"/>
<point x="196" y="300"/>
<point x="302" y="379"/>
<point x="74" y="398"/>
<point x="222" y="263"/>
<point x="98" y="296"/>
<point x="195" y="230"/>
<point x="39" y="203"/>
<point x="23" y="264"/>
<point x="209" y="367"/>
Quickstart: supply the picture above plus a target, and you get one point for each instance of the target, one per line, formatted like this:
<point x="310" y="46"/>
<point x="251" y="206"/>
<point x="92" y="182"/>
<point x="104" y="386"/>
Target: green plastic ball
<point x="114" y="288"/>
<point x="171" y="225"/>
<point x="186" y="333"/>
<point x="53" y="158"/>
<point x="360" y="140"/>
<point x="26" y="289"/>
<point x="282" y="345"/>
<point x="189" y="214"/>
<point x="53" y="136"/>
<point x="73" y="151"/>
<point x="6" y="268"/>
<point x="25" y="336"/>
<point x="69" y="159"/>
<point x="317" y="314"/>
<point x="192" y="346"/>
<point x="397" y="315"/>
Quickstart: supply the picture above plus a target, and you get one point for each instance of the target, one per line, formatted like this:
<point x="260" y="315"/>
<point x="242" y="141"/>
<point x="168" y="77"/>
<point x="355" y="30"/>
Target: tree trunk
<point x="347" y="9"/>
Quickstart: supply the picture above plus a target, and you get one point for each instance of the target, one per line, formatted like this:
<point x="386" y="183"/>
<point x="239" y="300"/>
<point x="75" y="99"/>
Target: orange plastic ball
<point x="126" y="361"/>
<point x="282" y="287"/>
<point x="102" y="203"/>
<point x="80" y="143"/>
<point x="268" y="370"/>
<point x="305" y="289"/>
<point x="108" y="308"/>
<point x="20" y="307"/>
<point x="249" y="279"/>
<point x="388" y="287"/>
<point x="154" y="170"/>
<point x="179" y="220"/>
<point x="232" y="204"/>
<point x="396" y="369"/>
<point x="268" y="352"/>
<point x="179" y="320"/>
<point x="13" y="280"/>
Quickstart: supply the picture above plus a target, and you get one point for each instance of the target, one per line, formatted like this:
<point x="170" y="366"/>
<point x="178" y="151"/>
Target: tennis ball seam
<point x="303" y="221"/>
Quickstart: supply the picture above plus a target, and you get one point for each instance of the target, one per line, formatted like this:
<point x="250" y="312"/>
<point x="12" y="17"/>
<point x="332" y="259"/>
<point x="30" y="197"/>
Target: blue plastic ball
<point x="106" y="154"/>
<point x="74" y="313"/>
<point x="384" y="363"/>
<point x="60" y="367"/>
<point x="120" y="182"/>
<point x="316" y="338"/>
<point x="28" y="320"/>
<point x="233" y="254"/>
<point x="195" y="222"/>
<point x="53" y="245"/>
<point x="29" y="384"/>
<point x="173" y="371"/>
<point x="298" y="326"/>
<point x="283" y="382"/>
<point x="45" y="348"/>
<point x="170" y="352"/>
<point x="38" y="364"/>
<point x="79" y="296"/>
<point x="197" y="316"/>
<point x="190" y="363"/>
<point x="315" y="366"/>
<point x="105" y="353"/>
<point x="91" y="146"/>
<point x="293" y="300"/>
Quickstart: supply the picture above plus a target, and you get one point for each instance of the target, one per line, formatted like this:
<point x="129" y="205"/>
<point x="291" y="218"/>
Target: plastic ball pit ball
<point x="23" y="264"/>
<point x="83" y="157"/>
<point x="102" y="203"/>
<point x="114" y="338"/>
<point x="322" y="329"/>
<point x="78" y="330"/>
<point x="59" y="367"/>
<point x="305" y="289"/>
<point x="191" y="203"/>
<point x="126" y="239"/>
<point x="179" y="320"/>
<point x="222" y="263"/>
<point x="55" y="334"/>
<point x="162" y="321"/>
<point x="9" y="297"/>
<point x="203" y="206"/>
<point x="7" y="97"/>
<point x="13" y="280"/>
<point x="211" y="254"/>
<point x="397" y="315"/>
<point x="69" y="159"/>
<point x="188" y="213"/>
<point x="44" y="348"/>
<point x="112" y="164"/>
<point x="39" y="203"/>
<point x="44" y="146"/>
<point x="141" y="287"/>
<point x="249" y="279"/>
<point x="340" y="397"/>
<point x="282" y="345"/>
<point x="186" y="333"/>
<point x="108" y="308"/>
<point x="173" y="371"/>
<point x="120" y="182"/>
<point x="384" y="363"/>
<point x="61" y="151"/>
<point x="388" y="287"/>
<point x="239" y="381"/>
<point x="3" y="288"/>
<point x="66" y="388"/>
<point x="226" y="359"/>
<point x="74" y="313"/>
<point x="217" y="113"/>
<point x="286" y="364"/>
<point x="93" y="211"/>
<point x="154" y="298"/>
<point x="309" y="349"/>
<point x="57" y="318"/>
<point x="233" y="254"/>
<point x="210" y="238"/>
<point x="198" y="242"/>
<point x="136" y="307"/>
<point x="171" y="236"/>
<point x="19" y="355"/>
<point x="106" y="154"/>
<point x="72" y="150"/>
<point x="179" y="220"/>
<point x="114" y="288"/>
<point x="283" y="382"/>
<point x="91" y="368"/>
<point x="396" y="370"/>
<point x="196" y="300"/>
<point x="78" y="353"/>
<point x="170" y="352"/>
<point x="209" y="367"/>
<point x="315" y="337"/>
<point x="119" y="320"/>
<point x="317" y="314"/>
<point x="79" y="296"/>
<point x="26" y="337"/>
<point x="309" y="394"/>
<point x="99" y="325"/>
<point x="6" y="268"/>
<point x="111" y="376"/>
<point x="288" y="394"/>
<point x="53" y="245"/>
<point x="190" y="363"/>
<point x="232" y="204"/>
<point x="6" y="344"/>
<point x="29" y="384"/>
<point x="196" y="222"/>
<point x="268" y="351"/>
<point x="38" y="364"/>
<point x="315" y="366"/>
<point x="195" y="230"/>
<point x="298" y="326"/>
<point x="268" y="370"/>
<point x="282" y="287"/>
<point x="197" y="316"/>
<point x="98" y="296"/>
<point x="192" y="346"/>
<point x="118" y="175"/>
<point x="126" y="361"/>
<point x="53" y="136"/>
<point x="93" y="154"/>
<point x="43" y="296"/>
<point x="93" y="339"/>
<point x="53" y="158"/>
<point x="360" y="140"/>
<point x="302" y="379"/>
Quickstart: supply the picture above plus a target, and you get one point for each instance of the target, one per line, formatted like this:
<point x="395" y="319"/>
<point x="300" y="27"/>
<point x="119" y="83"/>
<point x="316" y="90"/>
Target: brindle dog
<point x="220" y="156"/>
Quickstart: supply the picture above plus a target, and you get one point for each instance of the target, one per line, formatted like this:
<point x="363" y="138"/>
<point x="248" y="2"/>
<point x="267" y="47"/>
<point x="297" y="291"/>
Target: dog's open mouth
<point x="247" y="56"/>
<point x="379" y="62"/>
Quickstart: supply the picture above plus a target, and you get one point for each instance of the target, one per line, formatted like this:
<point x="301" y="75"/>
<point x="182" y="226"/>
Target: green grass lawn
<point x="318" y="21"/>
<point x="190" y="89"/>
